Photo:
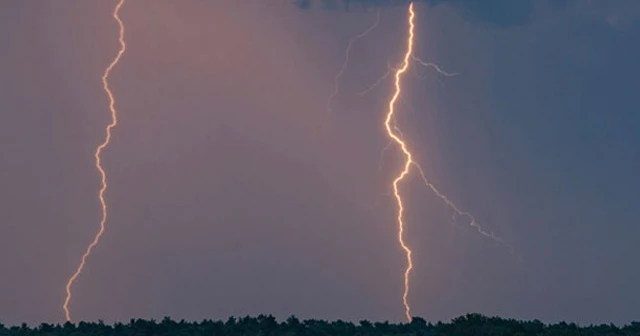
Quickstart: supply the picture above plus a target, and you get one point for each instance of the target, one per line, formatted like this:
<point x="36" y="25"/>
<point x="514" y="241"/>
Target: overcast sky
<point x="222" y="202"/>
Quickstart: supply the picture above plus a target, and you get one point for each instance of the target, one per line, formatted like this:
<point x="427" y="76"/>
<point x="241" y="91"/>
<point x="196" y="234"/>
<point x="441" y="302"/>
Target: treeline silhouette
<point x="468" y="325"/>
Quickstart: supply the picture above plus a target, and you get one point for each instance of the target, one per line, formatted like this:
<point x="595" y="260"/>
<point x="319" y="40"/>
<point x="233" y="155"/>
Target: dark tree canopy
<point x="267" y="325"/>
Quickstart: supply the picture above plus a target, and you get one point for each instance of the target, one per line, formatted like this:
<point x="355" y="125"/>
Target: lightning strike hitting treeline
<point x="408" y="162"/>
<point x="396" y="136"/>
<point x="98" y="158"/>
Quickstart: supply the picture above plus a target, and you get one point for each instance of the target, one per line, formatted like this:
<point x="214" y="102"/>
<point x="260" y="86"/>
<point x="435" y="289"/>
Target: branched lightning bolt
<point x="408" y="162"/>
<point x="396" y="136"/>
<point x="100" y="148"/>
<point x="336" y="79"/>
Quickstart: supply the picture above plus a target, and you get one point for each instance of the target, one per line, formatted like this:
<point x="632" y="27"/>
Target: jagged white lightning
<point x="396" y="137"/>
<point x="98" y="158"/>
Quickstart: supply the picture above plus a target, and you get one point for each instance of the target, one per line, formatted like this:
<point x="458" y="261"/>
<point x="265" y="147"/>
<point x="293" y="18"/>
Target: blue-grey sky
<point x="222" y="202"/>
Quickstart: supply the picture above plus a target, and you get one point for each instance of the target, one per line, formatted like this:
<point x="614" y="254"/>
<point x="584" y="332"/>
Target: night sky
<point x="223" y="202"/>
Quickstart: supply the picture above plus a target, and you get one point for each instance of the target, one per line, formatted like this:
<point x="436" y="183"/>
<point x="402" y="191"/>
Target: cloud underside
<point x="498" y="12"/>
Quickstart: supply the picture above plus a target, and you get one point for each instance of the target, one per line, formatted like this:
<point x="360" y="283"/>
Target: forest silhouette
<point x="267" y="325"/>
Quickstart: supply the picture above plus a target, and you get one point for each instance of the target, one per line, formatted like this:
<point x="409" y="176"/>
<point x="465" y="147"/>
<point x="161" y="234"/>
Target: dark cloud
<point x="499" y="12"/>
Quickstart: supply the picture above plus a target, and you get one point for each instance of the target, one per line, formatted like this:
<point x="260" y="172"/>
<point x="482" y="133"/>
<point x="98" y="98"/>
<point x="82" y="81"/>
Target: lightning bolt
<point x="408" y="162"/>
<point x="336" y="79"/>
<point x="99" y="149"/>
<point x="396" y="136"/>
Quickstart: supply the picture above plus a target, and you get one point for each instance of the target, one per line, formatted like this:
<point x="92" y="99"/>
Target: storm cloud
<point x="503" y="13"/>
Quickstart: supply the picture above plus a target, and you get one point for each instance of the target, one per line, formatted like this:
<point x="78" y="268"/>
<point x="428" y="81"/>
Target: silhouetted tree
<point x="267" y="325"/>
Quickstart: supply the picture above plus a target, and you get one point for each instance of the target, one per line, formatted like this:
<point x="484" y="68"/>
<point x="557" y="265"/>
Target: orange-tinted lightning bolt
<point x="103" y="175"/>
<point x="408" y="162"/>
